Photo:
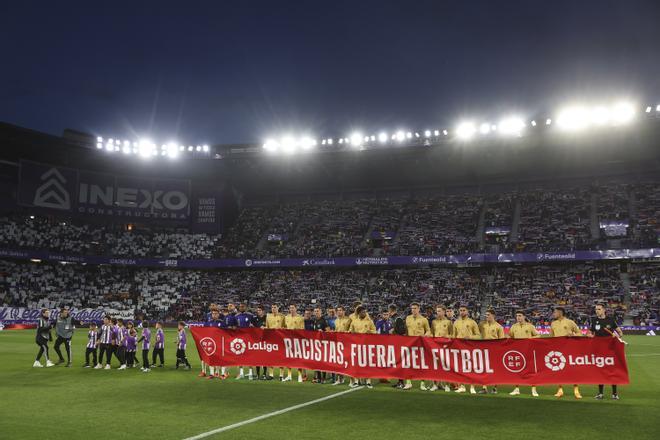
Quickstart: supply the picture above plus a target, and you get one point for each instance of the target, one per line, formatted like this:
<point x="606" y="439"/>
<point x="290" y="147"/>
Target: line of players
<point x="114" y="338"/>
<point x="442" y="324"/>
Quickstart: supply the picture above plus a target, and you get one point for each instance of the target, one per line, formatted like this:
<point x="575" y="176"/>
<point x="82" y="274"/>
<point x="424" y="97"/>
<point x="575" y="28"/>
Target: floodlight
<point x="533" y="123"/>
<point x="109" y="146"/>
<point x="356" y="139"/>
<point x="427" y="133"/>
<point x="307" y="143"/>
<point x="146" y="148"/>
<point x="436" y="133"/>
<point x="330" y="141"/>
<point x="126" y="149"/>
<point x="198" y="148"/>
<point x="623" y="113"/>
<point x="512" y="125"/>
<point x="289" y="144"/>
<point x="111" y="141"/>
<point x="409" y="135"/>
<point x="182" y="148"/>
<point x="573" y="118"/>
<point x="648" y="109"/>
<point x="117" y="142"/>
<point x="657" y="108"/>
<point x="445" y="132"/>
<point x="484" y="128"/>
<point x="190" y="148"/>
<point x="382" y="137"/>
<point x="271" y="145"/>
<point x="600" y="115"/>
<point x="100" y="139"/>
<point x="465" y="130"/>
<point x="341" y="140"/>
<point x="373" y="138"/>
<point x="205" y="148"/>
<point x="400" y="136"/>
<point x="99" y="145"/>
<point x="548" y="121"/>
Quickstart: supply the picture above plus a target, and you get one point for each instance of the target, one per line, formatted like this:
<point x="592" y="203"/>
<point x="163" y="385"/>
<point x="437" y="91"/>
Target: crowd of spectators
<point x="185" y="294"/>
<point x="547" y="220"/>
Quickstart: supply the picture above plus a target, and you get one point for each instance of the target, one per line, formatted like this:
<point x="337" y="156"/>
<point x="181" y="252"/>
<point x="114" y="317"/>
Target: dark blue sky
<point x="220" y="72"/>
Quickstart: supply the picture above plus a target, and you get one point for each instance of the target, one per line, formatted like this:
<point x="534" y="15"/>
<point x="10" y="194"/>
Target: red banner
<point x="539" y="361"/>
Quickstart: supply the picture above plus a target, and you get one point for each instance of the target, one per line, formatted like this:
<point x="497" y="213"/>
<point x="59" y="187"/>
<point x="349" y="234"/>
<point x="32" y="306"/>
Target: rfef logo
<point x="555" y="361"/>
<point x="514" y="361"/>
<point x="237" y="346"/>
<point x="208" y="346"/>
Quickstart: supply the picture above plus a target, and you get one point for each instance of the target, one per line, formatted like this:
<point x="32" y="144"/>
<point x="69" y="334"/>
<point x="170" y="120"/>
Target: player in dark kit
<point x="43" y="337"/>
<point x="320" y="324"/>
<point x="603" y="326"/>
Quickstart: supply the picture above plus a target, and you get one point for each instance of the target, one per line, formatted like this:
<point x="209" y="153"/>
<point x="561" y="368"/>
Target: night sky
<point x="223" y="72"/>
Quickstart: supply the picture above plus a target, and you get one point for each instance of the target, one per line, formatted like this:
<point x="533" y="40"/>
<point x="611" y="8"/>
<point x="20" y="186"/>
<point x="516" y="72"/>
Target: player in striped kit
<point x="181" y="346"/>
<point x="122" y="340"/>
<point x="105" y="343"/>
<point x="145" y="338"/>
<point x="92" y="343"/>
<point x="159" y="346"/>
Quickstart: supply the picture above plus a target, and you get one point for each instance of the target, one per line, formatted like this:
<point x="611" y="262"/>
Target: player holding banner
<point x="562" y="326"/>
<point x="441" y="327"/>
<point x="466" y="328"/>
<point x="491" y="329"/>
<point x="416" y="325"/>
<point x="274" y="320"/>
<point x="363" y="324"/>
<point x="522" y="329"/>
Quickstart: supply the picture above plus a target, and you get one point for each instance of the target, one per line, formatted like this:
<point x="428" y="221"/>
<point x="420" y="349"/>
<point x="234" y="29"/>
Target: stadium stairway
<point x="593" y="216"/>
<point x="481" y="227"/>
<point x="513" y="235"/>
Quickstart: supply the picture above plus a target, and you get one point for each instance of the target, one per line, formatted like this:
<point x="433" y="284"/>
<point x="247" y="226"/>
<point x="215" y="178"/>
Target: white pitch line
<point x="271" y="414"/>
<point x="643" y="354"/>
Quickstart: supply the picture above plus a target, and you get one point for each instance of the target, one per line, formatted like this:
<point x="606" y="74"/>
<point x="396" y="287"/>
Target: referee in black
<point x="606" y="327"/>
<point x="398" y="328"/>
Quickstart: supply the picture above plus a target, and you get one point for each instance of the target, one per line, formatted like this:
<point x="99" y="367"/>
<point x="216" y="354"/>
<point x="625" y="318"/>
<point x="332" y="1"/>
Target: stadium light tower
<point x="623" y="113"/>
<point x="356" y="140"/>
<point x="145" y="149"/>
<point x="289" y="145"/>
<point x="271" y="146"/>
<point x="465" y="130"/>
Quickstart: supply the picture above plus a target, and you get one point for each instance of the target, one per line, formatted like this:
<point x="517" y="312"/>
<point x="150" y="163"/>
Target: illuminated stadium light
<point x="400" y="136"/>
<point x="416" y="135"/>
<point x="146" y="149"/>
<point x="190" y="148"/>
<point x="484" y="128"/>
<point x="198" y="148"/>
<point x="356" y="139"/>
<point x="307" y="143"/>
<point x="427" y="133"/>
<point x="109" y="146"/>
<point x="600" y="115"/>
<point x="117" y="142"/>
<point x="289" y="144"/>
<point x="271" y="145"/>
<point x="533" y="123"/>
<point x="111" y="141"/>
<point x="366" y="138"/>
<point x="648" y="109"/>
<point x="512" y="125"/>
<point x="182" y="148"/>
<point x="382" y="137"/>
<point x="409" y="135"/>
<point x="330" y="141"/>
<point x="100" y="139"/>
<point x="205" y="148"/>
<point x="622" y="113"/>
<point x="172" y="150"/>
<point x="99" y="145"/>
<point x="436" y="133"/>
<point x="657" y="108"/>
<point x="445" y="132"/>
<point x="548" y="121"/>
<point x="373" y="138"/>
<point x="573" y="118"/>
<point x="341" y="140"/>
<point x="126" y="149"/>
<point x="323" y="142"/>
<point x="465" y="130"/>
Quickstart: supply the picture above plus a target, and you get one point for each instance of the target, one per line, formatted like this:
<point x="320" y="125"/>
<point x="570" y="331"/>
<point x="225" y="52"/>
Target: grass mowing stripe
<point x="271" y="414"/>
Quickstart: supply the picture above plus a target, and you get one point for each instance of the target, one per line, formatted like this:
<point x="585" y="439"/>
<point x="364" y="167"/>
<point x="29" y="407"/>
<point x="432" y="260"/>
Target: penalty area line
<point x="270" y="414"/>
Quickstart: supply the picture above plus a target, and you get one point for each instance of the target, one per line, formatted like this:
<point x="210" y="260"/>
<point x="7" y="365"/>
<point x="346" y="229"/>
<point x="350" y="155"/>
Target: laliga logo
<point x="208" y="345"/>
<point x="248" y="263"/>
<point x="555" y="361"/>
<point x="237" y="346"/>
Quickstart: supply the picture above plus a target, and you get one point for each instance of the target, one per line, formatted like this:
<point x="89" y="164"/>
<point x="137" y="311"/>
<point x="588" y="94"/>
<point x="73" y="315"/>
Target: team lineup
<point x="116" y="339"/>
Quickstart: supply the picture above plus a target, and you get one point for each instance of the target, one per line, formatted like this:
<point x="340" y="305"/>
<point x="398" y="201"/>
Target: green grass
<point x="82" y="403"/>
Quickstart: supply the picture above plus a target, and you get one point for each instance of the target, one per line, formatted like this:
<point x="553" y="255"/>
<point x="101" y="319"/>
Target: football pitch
<point x="80" y="403"/>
